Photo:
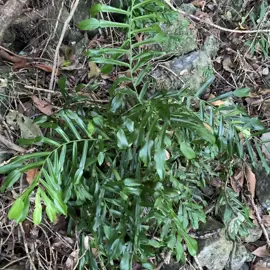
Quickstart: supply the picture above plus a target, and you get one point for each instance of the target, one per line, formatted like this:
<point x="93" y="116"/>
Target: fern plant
<point x="143" y="18"/>
<point x="130" y="178"/>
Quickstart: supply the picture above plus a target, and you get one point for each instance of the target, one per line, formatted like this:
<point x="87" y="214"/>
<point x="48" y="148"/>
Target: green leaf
<point x="99" y="52"/>
<point x="141" y="75"/>
<point x="16" y="209"/>
<point x="91" y="128"/>
<point x="104" y="24"/>
<point x="153" y="28"/>
<point x="155" y="243"/>
<point x="242" y="92"/>
<point x="129" y="124"/>
<point x="89" y="24"/>
<point x="70" y="124"/>
<point x="146" y="17"/>
<point x="143" y="91"/>
<point x="191" y="245"/>
<point x="11" y="179"/>
<point x="116" y="102"/>
<point x="187" y="151"/>
<point x="51" y="212"/>
<point x="62" y="86"/>
<point x="79" y="172"/>
<point x="26" y="207"/>
<point x="72" y="115"/>
<point x="92" y="24"/>
<point x="122" y="142"/>
<point x="179" y="251"/>
<point x="145" y="42"/>
<point x="37" y="215"/>
<point x="17" y="162"/>
<point x="205" y="86"/>
<point x="132" y="182"/>
<point x="124" y="265"/>
<point x="98" y="120"/>
<point x="96" y="8"/>
<point x="145" y="152"/>
<point x="109" y="61"/>
<point x="160" y="158"/>
<point x="143" y="3"/>
<point x="100" y="158"/>
<point x="171" y="242"/>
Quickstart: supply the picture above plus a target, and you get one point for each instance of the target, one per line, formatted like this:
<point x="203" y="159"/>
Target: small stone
<point x="265" y="71"/>
<point x="210" y="249"/>
<point x="254" y="234"/>
<point x="240" y="256"/>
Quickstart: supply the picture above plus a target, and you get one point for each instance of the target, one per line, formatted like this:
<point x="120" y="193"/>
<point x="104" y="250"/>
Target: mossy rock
<point x="181" y="37"/>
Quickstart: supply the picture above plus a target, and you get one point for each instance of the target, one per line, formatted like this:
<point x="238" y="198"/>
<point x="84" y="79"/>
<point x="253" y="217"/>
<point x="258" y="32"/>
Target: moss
<point x="182" y="38"/>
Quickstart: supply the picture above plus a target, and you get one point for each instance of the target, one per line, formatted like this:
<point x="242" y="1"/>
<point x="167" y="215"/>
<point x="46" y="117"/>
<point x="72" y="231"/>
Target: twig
<point x="58" y="19"/>
<point x="56" y="56"/>
<point x="215" y="25"/>
<point x="258" y="217"/>
<point x="23" y="57"/>
<point x="166" y="260"/>
<point x="37" y="88"/>
<point x="26" y="248"/>
<point x="11" y="145"/>
<point x="9" y="264"/>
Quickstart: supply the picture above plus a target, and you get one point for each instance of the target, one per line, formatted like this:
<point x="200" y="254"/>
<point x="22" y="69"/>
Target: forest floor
<point x="40" y="43"/>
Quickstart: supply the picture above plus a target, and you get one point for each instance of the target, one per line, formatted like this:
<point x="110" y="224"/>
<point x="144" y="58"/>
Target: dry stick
<point x="260" y="222"/>
<point x="215" y="25"/>
<point x="12" y="262"/>
<point x="26" y="249"/>
<point x="11" y="145"/>
<point x="56" y="56"/>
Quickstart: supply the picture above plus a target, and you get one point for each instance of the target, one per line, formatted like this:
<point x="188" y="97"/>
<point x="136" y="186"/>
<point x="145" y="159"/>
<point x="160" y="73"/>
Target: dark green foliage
<point x="131" y="177"/>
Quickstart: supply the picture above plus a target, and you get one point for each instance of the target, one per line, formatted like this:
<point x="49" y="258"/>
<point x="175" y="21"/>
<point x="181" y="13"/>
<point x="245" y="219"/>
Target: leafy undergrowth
<point x="129" y="175"/>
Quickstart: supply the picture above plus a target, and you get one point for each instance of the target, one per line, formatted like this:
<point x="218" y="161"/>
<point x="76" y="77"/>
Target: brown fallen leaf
<point x="261" y="252"/>
<point x="237" y="181"/>
<point x="216" y="103"/>
<point x="252" y="216"/>
<point x="207" y="126"/>
<point x="227" y="64"/>
<point x="168" y="155"/>
<point x="42" y="105"/>
<point x="259" y="267"/>
<point x="31" y="174"/>
<point x="46" y="68"/>
<point x="199" y="3"/>
<point x="94" y="70"/>
<point x="266" y="220"/>
<point x="251" y="181"/>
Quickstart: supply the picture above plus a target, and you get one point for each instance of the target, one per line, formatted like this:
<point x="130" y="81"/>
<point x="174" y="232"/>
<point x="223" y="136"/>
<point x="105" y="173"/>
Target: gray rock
<point x="182" y="37"/>
<point x="240" y="256"/>
<point x="245" y="266"/>
<point x="214" y="252"/>
<point x="254" y="234"/>
<point x="82" y="12"/>
<point x="189" y="71"/>
<point x="188" y="8"/>
<point x="263" y="187"/>
<point x="211" y="249"/>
